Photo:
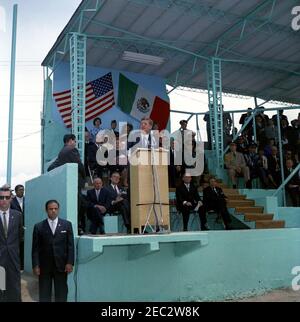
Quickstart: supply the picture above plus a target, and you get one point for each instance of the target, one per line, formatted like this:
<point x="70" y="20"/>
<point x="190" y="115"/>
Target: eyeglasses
<point x="4" y="197"/>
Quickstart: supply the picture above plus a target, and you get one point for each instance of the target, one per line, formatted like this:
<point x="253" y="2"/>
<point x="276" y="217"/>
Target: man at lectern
<point x="188" y="200"/>
<point x="145" y="139"/>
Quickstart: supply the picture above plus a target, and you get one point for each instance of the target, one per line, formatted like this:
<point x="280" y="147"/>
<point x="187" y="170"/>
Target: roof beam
<point x="218" y="42"/>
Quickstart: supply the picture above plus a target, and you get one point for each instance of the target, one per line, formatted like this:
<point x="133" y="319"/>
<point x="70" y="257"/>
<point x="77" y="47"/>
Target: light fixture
<point x="142" y="58"/>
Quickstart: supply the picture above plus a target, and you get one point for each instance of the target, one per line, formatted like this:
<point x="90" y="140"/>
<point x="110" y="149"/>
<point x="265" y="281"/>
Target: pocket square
<point x="63" y="231"/>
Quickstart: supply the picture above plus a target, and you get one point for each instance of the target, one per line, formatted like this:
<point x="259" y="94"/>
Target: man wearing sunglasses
<point x="11" y="233"/>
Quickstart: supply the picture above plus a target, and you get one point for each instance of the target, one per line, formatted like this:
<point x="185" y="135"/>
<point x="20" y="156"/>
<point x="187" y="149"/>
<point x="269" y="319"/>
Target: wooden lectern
<point x="145" y="166"/>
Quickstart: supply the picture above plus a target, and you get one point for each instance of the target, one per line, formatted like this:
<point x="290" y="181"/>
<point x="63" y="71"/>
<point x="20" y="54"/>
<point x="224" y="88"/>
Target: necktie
<point x="5" y="224"/>
<point x="52" y="226"/>
<point x="215" y="190"/>
<point x="97" y="195"/>
<point x="115" y="188"/>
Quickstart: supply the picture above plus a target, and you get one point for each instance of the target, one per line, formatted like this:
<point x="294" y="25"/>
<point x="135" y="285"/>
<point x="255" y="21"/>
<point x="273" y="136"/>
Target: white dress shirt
<point x="53" y="224"/>
<point x="115" y="187"/>
<point x="20" y="201"/>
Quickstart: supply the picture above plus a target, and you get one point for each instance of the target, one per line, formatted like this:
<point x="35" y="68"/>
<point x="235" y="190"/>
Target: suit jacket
<point x="48" y="248"/>
<point x="69" y="154"/>
<point x="211" y="198"/>
<point x="139" y="144"/>
<point x="10" y="247"/>
<point x="295" y="180"/>
<point x="182" y="194"/>
<point x="92" y="200"/>
<point x="232" y="163"/>
<point x="16" y="206"/>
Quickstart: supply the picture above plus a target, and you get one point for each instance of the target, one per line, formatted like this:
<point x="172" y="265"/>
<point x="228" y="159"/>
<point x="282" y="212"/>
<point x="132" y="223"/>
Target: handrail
<point x="243" y="111"/>
<point x="297" y="169"/>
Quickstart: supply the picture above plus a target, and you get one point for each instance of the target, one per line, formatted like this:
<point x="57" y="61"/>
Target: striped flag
<point x="138" y="102"/>
<point x="99" y="99"/>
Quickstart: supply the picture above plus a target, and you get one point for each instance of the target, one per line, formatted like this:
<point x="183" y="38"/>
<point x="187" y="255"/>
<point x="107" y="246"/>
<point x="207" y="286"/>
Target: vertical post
<point x="233" y="124"/>
<point x="281" y="156"/>
<point x="254" y="126"/>
<point x="78" y="90"/>
<point x="12" y="93"/>
<point x="214" y="78"/>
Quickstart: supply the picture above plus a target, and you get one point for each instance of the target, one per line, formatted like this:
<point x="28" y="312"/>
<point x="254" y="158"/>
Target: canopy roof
<point x="260" y="51"/>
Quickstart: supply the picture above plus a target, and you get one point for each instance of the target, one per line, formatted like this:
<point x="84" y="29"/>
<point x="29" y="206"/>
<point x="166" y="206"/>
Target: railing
<point x="294" y="172"/>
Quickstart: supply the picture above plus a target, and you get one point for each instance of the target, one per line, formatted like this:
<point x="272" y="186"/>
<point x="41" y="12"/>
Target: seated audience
<point x="118" y="199"/>
<point x="188" y="200"/>
<point x="236" y="165"/>
<point x="98" y="203"/>
<point x="214" y="199"/>
<point x="293" y="186"/>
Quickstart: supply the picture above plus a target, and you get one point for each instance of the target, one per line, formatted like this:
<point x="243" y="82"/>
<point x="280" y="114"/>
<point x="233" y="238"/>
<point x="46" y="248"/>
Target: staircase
<point x="246" y="211"/>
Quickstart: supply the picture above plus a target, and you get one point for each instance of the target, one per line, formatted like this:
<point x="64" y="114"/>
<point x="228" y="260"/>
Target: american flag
<point x="99" y="98"/>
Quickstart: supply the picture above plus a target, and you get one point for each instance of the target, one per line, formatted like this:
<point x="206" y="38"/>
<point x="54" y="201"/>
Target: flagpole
<point x="12" y="93"/>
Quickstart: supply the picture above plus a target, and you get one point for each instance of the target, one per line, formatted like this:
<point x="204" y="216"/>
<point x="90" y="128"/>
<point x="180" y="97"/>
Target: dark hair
<point x="97" y="119"/>
<point x="19" y="186"/>
<point x="113" y="121"/>
<point x="51" y="201"/>
<point x="69" y="137"/>
<point x="5" y="189"/>
<point x="115" y="172"/>
<point x="183" y="121"/>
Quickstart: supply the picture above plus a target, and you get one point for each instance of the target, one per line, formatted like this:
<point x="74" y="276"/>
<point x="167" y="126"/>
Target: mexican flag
<point x="136" y="101"/>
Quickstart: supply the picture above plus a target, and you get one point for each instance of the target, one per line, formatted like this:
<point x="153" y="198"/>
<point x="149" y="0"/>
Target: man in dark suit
<point x="293" y="186"/>
<point x="53" y="254"/>
<point x="69" y="154"/>
<point x="98" y="203"/>
<point x="188" y="200"/>
<point x="11" y="233"/>
<point x="117" y="200"/>
<point x="18" y="203"/>
<point x="214" y="199"/>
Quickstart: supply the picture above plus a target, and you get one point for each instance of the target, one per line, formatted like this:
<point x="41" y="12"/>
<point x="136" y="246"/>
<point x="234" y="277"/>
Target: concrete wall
<point x="222" y="265"/>
<point x="291" y="215"/>
<point x="214" y="265"/>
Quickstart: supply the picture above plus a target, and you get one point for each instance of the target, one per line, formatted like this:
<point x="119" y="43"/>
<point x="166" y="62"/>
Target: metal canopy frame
<point x="221" y="51"/>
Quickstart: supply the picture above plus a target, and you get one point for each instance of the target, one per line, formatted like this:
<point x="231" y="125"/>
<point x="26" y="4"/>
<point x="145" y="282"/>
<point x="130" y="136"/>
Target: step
<point x="256" y="217"/>
<point x="230" y="191"/>
<point x="244" y="210"/>
<point x="265" y="224"/>
<point x="235" y="196"/>
<point x="240" y="203"/>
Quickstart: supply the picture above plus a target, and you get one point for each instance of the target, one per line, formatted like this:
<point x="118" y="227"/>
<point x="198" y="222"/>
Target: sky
<point x="39" y="24"/>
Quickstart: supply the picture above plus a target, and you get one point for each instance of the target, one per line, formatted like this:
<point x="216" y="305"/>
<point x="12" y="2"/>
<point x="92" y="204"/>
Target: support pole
<point x="281" y="156"/>
<point x="78" y="90"/>
<point x="214" y="87"/>
<point x="12" y="94"/>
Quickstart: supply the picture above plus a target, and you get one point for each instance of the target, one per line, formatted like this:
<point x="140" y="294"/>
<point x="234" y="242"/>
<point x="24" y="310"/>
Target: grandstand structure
<point x="232" y="46"/>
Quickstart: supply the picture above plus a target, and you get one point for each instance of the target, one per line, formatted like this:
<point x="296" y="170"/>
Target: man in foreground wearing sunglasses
<point x="11" y="233"/>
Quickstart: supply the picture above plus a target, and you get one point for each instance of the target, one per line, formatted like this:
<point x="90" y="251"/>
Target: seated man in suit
<point x="53" y="254"/>
<point x="293" y="186"/>
<point x="98" y="204"/>
<point x="117" y="199"/>
<point x="214" y="199"/>
<point x="188" y="200"/>
<point x="236" y="165"/>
